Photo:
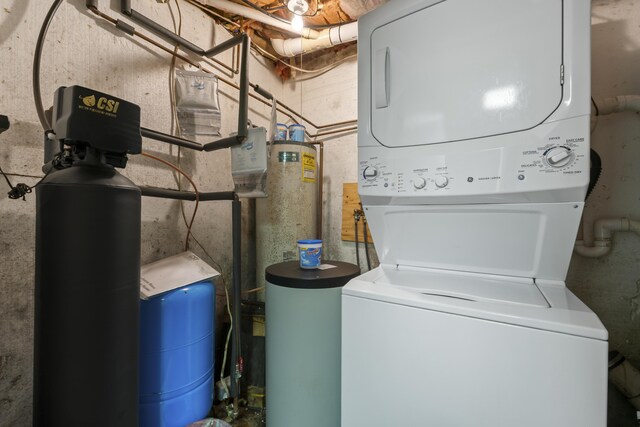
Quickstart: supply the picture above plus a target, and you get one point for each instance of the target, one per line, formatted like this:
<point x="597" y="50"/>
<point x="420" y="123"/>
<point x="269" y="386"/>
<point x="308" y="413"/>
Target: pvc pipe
<point x="618" y="104"/>
<point x="596" y="251"/>
<point x="625" y="377"/>
<point x="603" y="231"/>
<point x="247" y="12"/>
<point x="326" y="38"/>
<point x="604" y="228"/>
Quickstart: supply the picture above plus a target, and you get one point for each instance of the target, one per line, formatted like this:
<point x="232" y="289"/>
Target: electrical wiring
<point x="226" y="345"/>
<point x="20" y="190"/>
<point x="283" y="108"/>
<point x="195" y="189"/>
<point x="176" y="130"/>
<point x="286" y="21"/>
<point x="302" y="70"/>
<point x="37" y="58"/>
<point x="209" y="11"/>
<point x="189" y="234"/>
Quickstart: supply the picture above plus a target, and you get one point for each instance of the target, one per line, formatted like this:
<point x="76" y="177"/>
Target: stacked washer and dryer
<point x="474" y="164"/>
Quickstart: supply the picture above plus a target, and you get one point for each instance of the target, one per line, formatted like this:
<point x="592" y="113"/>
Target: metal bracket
<point x="170" y="36"/>
<point x="243" y="108"/>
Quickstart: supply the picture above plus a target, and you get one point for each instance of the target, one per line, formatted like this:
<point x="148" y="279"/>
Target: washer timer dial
<point x="419" y="183"/>
<point x="442" y="181"/>
<point x="559" y="156"/>
<point x="370" y="173"/>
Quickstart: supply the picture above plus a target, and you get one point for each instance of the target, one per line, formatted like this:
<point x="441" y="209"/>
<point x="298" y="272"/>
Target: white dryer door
<point x="462" y="69"/>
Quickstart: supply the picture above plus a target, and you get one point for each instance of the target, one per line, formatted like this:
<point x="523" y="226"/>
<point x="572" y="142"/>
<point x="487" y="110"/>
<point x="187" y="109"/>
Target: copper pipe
<point x="320" y="188"/>
<point x="346" y="122"/>
<point x="187" y="60"/>
<point x="290" y="113"/>
<point x="212" y="13"/>
<point x="332" y="132"/>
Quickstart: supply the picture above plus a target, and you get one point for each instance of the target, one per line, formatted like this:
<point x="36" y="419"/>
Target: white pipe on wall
<point x="603" y="231"/>
<point x="247" y="12"/>
<point x="618" y="104"/>
<point x="612" y="105"/>
<point x="326" y="38"/>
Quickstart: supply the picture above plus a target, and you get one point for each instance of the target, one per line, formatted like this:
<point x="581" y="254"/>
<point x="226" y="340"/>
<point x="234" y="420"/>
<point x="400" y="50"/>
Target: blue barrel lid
<point x="309" y="242"/>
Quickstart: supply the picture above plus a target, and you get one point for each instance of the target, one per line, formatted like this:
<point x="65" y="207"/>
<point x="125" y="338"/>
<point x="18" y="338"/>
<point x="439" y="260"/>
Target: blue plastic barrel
<point x="177" y="356"/>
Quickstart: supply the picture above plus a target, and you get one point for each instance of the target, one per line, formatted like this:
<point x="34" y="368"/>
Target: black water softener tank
<point x="87" y="278"/>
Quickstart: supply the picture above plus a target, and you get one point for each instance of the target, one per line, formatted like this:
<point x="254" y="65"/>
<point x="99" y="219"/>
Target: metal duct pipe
<point x="247" y="12"/>
<point x="333" y="36"/>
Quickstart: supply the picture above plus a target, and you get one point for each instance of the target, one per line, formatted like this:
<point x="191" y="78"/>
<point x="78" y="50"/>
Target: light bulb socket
<point x="298" y="7"/>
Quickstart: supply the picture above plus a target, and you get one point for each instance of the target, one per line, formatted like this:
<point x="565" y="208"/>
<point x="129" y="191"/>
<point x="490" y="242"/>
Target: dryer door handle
<point x="382" y="77"/>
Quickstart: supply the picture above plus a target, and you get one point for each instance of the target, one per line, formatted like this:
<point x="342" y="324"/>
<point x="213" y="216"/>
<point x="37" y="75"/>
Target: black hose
<point x="366" y="245"/>
<point x="37" y="57"/>
<point x="595" y="171"/>
<point x="355" y="224"/>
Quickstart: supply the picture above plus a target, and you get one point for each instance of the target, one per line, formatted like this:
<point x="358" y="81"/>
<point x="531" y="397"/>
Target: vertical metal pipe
<point x="236" y="214"/>
<point x="320" y="185"/>
<point x="243" y="107"/>
<point x="125" y="7"/>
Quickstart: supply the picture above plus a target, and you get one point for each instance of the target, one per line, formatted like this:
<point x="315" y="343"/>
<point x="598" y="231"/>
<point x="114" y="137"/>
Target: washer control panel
<point x="505" y="164"/>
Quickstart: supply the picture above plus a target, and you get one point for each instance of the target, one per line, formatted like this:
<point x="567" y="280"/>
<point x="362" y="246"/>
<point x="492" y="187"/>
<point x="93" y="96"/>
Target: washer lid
<point x="466" y="286"/>
<point x="491" y="301"/>
<point x="463" y="69"/>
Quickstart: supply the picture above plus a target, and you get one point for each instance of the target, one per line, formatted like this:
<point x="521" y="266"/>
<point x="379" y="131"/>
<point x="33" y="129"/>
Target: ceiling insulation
<point x="321" y="14"/>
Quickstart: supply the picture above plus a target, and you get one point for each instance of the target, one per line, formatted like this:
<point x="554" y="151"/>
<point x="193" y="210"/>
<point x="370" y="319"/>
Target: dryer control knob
<point x="419" y="182"/>
<point x="558" y="157"/>
<point x="370" y="172"/>
<point x="442" y="181"/>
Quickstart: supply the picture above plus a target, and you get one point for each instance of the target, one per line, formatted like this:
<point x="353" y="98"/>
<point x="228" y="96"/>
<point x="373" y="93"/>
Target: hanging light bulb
<point x="297" y="23"/>
<point x="298" y="8"/>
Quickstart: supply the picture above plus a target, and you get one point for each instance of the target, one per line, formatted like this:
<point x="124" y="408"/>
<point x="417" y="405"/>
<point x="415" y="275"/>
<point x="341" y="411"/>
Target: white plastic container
<point x="310" y="253"/>
<point x="296" y="132"/>
<point x="283" y="132"/>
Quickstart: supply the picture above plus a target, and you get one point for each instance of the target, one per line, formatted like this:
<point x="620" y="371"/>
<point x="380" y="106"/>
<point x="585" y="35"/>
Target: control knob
<point x="558" y="157"/>
<point x="419" y="182"/>
<point x="442" y="181"/>
<point x="370" y="173"/>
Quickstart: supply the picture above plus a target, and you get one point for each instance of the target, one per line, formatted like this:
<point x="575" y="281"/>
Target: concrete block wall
<point x="82" y="49"/>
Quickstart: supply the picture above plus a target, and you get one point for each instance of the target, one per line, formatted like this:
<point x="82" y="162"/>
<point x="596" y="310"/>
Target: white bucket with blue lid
<point x="282" y="132"/>
<point x="310" y="253"/>
<point x="296" y="132"/>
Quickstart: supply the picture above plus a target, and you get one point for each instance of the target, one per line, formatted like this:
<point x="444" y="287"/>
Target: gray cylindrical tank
<point x="87" y="287"/>
<point x="289" y="212"/>
<point x="303" y="342"/>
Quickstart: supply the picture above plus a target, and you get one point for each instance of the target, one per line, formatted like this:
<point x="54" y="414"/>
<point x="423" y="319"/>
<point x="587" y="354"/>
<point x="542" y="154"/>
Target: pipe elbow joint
<point x="604" y="228"/>
<point x="634" y="226"/>
<point x="599" y="249"/>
